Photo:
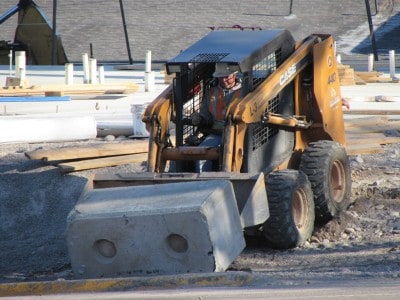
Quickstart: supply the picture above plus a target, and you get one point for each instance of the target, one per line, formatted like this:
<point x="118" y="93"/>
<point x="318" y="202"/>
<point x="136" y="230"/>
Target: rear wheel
<point x="291" y="208"/>
<point x="327" y="166"/>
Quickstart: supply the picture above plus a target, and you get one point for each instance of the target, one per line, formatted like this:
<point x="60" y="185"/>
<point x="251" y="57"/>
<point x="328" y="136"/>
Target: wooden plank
<point x="374" y="128"/>
<point x="365" y="121"/>
<point x="75" y="89"/>
<point x="358" y="80"/>
<point x="356" y="149"/>
<point x="366" y="139"/>
<point x="368" y="135"/>
<point x="367" y="125"/>
<point x="102" y="162"/>
<point x="372" y="112"/>
<point x="367" y="74"/>
<point x="99" y="150"/>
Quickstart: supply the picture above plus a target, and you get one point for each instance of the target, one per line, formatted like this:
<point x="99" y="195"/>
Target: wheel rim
<point x="338" y="181"/>
<point x="300" y="208"/>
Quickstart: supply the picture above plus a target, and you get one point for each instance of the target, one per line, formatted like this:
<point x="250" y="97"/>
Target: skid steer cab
<point x="278" y="140"/>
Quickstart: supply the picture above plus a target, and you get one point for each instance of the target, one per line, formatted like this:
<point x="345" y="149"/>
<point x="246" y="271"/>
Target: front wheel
<point x="291" y="208"/>
<point x="327" y="166"/>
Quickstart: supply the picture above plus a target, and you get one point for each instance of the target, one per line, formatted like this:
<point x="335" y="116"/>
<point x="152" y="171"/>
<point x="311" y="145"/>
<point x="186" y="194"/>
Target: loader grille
<point x="263" y="133"/>
<point x="266" y="66"/>
<point x="192" y="105"/>
<point x="208" y="57"/>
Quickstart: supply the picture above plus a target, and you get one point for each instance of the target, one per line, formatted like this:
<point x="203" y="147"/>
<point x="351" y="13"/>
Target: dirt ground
<point x="361" y="243"/>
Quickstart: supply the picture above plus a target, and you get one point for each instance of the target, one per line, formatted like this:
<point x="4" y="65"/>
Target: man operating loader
<point x="213" y="108"/>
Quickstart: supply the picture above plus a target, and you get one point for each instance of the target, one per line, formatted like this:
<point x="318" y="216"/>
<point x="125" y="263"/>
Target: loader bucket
<point x="155" y="230"/>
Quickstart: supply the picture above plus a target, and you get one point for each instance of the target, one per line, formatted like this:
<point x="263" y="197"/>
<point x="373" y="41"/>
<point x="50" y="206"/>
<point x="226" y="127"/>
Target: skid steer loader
<point x="283" y="142"/>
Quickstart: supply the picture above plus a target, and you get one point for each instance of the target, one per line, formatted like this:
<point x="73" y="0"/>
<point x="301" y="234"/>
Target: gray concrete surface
<point x="155" y="230"/>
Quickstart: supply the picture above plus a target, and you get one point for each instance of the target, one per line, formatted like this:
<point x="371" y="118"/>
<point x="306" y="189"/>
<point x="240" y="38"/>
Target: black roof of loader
<point x="236" y="47"/>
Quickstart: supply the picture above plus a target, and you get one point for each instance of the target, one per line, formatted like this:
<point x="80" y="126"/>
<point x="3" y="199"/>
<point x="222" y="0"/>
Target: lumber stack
<point x="346" y="75"/>
<point x="367" y="135"/>
<point x="71" y="159"/>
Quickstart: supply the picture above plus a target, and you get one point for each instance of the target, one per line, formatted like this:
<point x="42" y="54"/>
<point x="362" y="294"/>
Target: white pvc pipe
<point x="339" y="59"/>
<point x="392" y="64"/>
<point x="29" y="129"/>
<point x="92" y="71"/>
<point x="149" y="82"/>
<point x="101" y="74"/>
<point x="85" y="65"/>
<point x="370" y="62"/>
<point x="69" y="73"/>
<point x="20" y="65"/>
<point x="148" y="61"/>
<point x="148" y="74"/>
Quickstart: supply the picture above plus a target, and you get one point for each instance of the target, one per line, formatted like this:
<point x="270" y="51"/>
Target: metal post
<point x="371" y="30"/>
<point x="121" y="5"/>
<point x="54" y="35"/>
<point x="290" y="7"/>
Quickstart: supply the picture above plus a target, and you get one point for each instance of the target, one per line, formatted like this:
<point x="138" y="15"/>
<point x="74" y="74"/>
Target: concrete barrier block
<point x="155" y="230"/>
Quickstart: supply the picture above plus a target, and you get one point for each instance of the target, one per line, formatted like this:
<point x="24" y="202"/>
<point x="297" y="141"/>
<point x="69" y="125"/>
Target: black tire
<point x="291" y="208"/>
<point x="327" y="166"/>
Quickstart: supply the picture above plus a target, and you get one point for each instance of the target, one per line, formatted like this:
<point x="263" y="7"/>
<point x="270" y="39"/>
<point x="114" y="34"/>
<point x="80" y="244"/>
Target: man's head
<point x="226" y="77"/>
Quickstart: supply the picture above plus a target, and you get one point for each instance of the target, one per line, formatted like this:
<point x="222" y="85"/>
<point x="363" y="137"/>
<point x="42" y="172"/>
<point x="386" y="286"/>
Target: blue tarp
<point x="35" y="99"/>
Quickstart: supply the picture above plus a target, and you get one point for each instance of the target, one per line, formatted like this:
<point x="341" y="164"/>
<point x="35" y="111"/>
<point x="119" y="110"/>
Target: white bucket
<point x="139" y="127"/>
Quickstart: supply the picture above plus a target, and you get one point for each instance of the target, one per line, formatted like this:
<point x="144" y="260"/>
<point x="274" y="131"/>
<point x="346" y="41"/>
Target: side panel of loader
<point x="327" y="90"/>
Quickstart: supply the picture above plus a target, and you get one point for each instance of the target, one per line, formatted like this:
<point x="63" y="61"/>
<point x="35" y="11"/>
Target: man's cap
<point x="223" y="70"/>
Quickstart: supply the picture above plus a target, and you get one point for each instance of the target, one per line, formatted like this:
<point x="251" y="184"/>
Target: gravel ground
<point x="361" y="243"/>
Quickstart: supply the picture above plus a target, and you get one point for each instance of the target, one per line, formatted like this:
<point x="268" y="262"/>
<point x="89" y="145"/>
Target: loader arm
<point x="252" y="108"/>
<point x="157" y="117"/>
<point x="316" y="49"/>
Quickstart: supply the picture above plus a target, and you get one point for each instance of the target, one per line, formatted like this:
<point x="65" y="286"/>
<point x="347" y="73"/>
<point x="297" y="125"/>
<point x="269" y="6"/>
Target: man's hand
<point x="196" y="118"/>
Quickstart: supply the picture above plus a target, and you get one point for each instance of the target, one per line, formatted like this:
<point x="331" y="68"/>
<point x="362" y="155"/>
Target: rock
<point x="379" y="207"/>
<point x="359" y="159"/>
<point x="109" y="138"/>
<point x="325" y="241"/>
<point x="377" y="182"/>
<point x="349" y="230"/>
<point x="314" y="239"/>
<point x="395" y="214"/>
<point x="121" y="138"/>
